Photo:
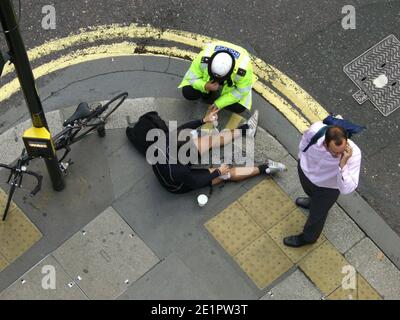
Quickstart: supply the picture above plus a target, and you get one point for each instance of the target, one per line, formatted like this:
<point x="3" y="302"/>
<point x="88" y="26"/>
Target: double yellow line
<point x="274" y="86"/>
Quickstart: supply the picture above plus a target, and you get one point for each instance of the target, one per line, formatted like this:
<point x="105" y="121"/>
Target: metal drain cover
<point x="377" y="73"/>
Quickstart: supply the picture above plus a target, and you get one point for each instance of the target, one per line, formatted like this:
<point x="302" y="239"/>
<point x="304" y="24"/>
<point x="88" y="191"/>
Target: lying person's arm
<point x="194" y="124"/>
<point x="195" y="178"/>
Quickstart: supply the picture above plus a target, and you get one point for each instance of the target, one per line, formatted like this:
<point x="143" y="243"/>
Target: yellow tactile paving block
<point x="3" y="202"/>
<point x="234" y="121"/>
<point x="17" y="235"/>
<point x="363" y="291"/>
<point x="263" y="261"/>
<point x="267" y="204"/>
<point x="324" y="267"/>
<point x="291" y="225"/>
<point x="342" y="294"/>
<point x="233" y="228"/>
<point x="3" y="263"/>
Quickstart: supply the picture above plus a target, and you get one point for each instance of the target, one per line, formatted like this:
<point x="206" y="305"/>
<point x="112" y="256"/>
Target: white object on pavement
<point x="202" y="200"/>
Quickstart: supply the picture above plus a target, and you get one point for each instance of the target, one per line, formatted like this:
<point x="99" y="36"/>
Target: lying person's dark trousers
<point x="322" y="200"/>
<point x="192" y="94"/>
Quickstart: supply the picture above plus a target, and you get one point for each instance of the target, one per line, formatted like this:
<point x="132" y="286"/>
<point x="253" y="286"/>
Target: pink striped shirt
<point x="323" y="169"/>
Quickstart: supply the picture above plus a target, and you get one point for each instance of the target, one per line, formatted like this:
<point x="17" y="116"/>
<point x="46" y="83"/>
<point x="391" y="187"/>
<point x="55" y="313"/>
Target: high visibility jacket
<point x="242" y="76"/>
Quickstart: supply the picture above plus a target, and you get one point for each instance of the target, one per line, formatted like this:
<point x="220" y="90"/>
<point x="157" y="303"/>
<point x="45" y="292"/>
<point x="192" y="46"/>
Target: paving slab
<point x="17" y="235"/>
<point x="295" y="287"/>
<point x="377" y="269"/>
<point x="292" y="224"/>
<point x="171" y="279"/>
<point x="267" y="147"/>
<point x="267" y="204"/>
<point x="29" y="286"/>
<point x="234" y="229"/>
<point x="341" y="230"/>
<point x="59" y="215"/>
<point x="127" y="166"/>
<point x="363" y="291"/>
<point x="166" y="221"/>
<point x="289" y="180"/>
<point x="105" y="256"/>
<point x="11" y="139"/>
<point x="263" y="261"/>
<point x="168" y="108"/>
<point x="324" y="267"/>
<point x="214" y="266"/>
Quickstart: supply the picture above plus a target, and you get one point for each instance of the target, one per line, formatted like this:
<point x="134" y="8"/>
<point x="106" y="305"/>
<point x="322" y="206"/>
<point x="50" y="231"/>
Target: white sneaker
<point x="252" y="123"/>
<point x="275" y="167"/>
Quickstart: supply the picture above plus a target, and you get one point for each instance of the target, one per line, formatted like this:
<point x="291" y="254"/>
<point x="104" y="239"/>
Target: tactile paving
<point x="3" y="263"/>
<point x="17" y="235"/>
<point x="292" y="225"/>
<point x="263" y="261"/>
<point x="324" y="267"/>
<point x="267" y="204"/>
<point x="234" y="229"/>
<point x="343" y="294"/>
<point x="3" y="202"/>
<point x="363" y="291"/>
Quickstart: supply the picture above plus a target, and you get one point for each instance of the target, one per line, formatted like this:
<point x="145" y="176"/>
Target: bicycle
<point x="81" y="123"/>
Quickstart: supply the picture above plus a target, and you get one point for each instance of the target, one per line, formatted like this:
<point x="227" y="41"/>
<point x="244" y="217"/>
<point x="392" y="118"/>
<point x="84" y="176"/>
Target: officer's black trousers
<point x="322" y="200"/>
<point x="192" y="94"/>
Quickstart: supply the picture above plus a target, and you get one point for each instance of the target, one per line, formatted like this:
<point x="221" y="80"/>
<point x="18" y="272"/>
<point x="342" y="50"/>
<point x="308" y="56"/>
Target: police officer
<point x="225" y="67"/>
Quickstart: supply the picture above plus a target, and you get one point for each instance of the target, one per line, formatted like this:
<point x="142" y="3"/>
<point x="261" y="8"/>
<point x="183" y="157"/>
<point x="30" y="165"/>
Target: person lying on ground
<point x="182" y="178"/>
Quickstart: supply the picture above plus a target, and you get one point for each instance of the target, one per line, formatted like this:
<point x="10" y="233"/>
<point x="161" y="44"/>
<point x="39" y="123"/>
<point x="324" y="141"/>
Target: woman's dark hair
<point x="336" y="134"/>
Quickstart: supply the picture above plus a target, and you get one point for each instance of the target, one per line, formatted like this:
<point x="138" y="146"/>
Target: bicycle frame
<point x="62" y="140"/>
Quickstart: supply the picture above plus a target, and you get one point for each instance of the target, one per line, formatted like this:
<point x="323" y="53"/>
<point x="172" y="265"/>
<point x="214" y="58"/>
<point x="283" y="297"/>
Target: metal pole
<point x="19" y="58"/>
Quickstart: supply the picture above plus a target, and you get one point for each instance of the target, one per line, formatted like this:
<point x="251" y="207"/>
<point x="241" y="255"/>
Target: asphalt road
<point x="303" y="38"/>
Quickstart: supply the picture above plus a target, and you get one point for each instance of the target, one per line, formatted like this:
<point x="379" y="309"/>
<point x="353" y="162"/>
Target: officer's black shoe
<point x="303" y="202"/>
<point x="296" y="241"/>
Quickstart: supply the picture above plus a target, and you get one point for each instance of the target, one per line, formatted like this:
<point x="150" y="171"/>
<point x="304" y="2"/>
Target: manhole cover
<point x="377" y="73"/>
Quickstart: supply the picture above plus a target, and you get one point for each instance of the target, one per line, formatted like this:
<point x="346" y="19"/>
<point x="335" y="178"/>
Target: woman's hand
<point x="212" y="115"/>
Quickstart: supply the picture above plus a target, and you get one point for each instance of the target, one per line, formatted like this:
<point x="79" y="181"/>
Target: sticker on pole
<point x="377" y="74"/>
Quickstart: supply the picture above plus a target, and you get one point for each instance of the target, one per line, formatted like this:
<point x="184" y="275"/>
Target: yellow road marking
<point x="300" y="98"/>
<point x="294" y="116"/>
<point x="303" y="101"/>
<point x="127" y="49"/>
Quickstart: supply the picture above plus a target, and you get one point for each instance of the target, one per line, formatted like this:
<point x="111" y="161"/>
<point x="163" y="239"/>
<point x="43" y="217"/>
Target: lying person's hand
<point x="224" y="169"/>
<point x="212" y="115"/>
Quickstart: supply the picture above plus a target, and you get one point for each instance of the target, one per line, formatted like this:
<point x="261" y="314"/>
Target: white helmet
<point x="221" y="65"/>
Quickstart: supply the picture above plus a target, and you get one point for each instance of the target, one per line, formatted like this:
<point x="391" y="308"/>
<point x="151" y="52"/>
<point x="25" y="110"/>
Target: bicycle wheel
<point x="113" y="105"/>
<point x="100" y="116"/>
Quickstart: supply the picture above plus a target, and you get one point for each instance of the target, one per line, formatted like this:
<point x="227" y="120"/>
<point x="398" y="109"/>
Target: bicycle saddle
<point x="81" y="112"/>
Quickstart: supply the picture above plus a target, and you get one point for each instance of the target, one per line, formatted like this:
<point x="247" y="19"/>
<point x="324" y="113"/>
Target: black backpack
<point x="137" y="132"/>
